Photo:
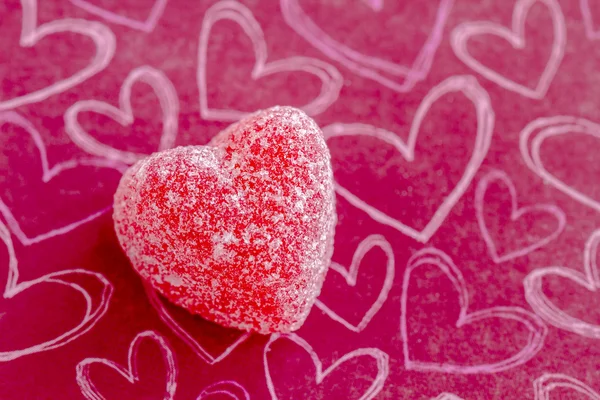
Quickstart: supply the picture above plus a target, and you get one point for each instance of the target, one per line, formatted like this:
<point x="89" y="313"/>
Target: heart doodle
<point x="466" y="85"/>
<point x="589" y="279"/>
<point x="546" y="383"/>
<point x="351" y="275"/>
<point x="227" y="388"/>
<point x="130" y="373"/>
<point x="49" y="173"/>
<point x="94" y="308"/>
<point x="146" y="25"/>
<point x="401" y="78"/>
<point x="182" y="323"/>
<point x="516" y="37"/>
<point x="166" y="94"/>
<point x="533" y="136"/>
<point x="331" y="79"/>
<point x="515" y="214"/>
<point x="379" y="356"/>
<point x="31" y="33"/>
<point x="535" y="326"/>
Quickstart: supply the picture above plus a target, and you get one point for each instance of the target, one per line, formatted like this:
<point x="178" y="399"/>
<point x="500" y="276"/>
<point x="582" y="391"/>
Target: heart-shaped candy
<point x="241" y="231"/>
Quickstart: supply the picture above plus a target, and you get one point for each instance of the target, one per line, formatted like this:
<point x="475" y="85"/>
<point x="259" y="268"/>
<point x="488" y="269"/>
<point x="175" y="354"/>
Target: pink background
<point x="525" y="332"/>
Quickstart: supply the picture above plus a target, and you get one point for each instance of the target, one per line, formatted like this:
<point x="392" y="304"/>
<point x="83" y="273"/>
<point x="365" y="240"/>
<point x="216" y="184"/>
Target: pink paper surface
<point x="464" y="142"/>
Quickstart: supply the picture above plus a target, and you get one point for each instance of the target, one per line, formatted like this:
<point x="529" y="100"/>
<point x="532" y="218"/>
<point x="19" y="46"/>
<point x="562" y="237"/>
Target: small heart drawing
<point x="146" y="25"/>
<point x="381" y="359"/>
<point x="516" y="37"/>
<point x="166" y="94"/>
<point x="536" y="132"/>
<point x="231" y="389"/>
<point x="31" y="33"/>
<point x="535" y="326"/>
<point x="545" y="384"/>
<point x="351" y="275"/>
<point x="49" y="173"/>
<point x="400" y="78"/>
<point x="234" y="11"/>
<point x="589" y="279"/>
<point x="95" y="306"/>
<point x="130" y="373"/>
<point x="466" y="85"/>
<point x="515" y="214"/>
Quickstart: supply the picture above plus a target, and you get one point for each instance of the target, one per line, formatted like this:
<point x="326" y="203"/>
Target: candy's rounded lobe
<point x="240" y="231"/>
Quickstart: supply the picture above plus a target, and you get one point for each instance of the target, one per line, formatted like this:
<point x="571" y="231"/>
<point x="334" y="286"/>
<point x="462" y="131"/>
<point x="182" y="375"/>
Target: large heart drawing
<point x="545" y="384"/>
<point x="31" y="33"/>
<point x="516" y="37"/>
<point x="351" y="275"/>
<point x="535" y="326"/>
<point x="536" y="132"/>
<point x="146" y="25"/>
<point x="234" y="11"/>
<point x="171" y="315"/>
<point x="589" y="279"/>
<point x="466" y="85"/>
<point x="95" y="308"/>
<point x="381" y="358"/>
<point x="515" y="214"/>
<point x="401" y="78"/>
<point x="130" y="373"/>
<point x="166" y="94"/>
<point x="48" y="173"/>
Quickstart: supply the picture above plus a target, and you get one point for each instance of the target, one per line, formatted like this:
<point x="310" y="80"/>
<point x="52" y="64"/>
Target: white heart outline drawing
<point x="331" y="79"/>
<point x="147" y="25"/>
<point x="185" y="336"/>
<point x="468" y="86"/>
<point x="535" y="325"/>
<point x="93" y="313"/>
<point x="588" y="20"/>
<point x="130" y="373"/>
<point x="31" y="33"/>
<point x="589" y="279"/>
<point x="169" y="102"/>
<point x="228" y="388"/>
<point x="546" y="383"/>
<point x="379" y="356"/>
<point x="516" y="37"/>
<point x="351" y="274"/>
<point x="49" y="173"/>
<point x="370" y="67"/>
<point x="543" y="128"/>
<point x="447" y="396"/>
<point x="516" y="213"/>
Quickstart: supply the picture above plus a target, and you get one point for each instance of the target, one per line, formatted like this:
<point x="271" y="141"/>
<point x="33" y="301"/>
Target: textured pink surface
<point x="465" y="145"/>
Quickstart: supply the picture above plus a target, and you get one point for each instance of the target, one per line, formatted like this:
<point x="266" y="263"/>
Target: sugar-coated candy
<point x="240" y="231"/>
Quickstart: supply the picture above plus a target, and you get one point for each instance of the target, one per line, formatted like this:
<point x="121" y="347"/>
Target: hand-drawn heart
<point x="146" y="25"/>
<point x="31" y="33"/>
<point x="588" y="20"/>
<point x="545" y="384"/>
<point x="231" y="389"/>
<point x="515" y="214"/>
<point x="379" y="356"/>
<point x="401" y="78"/>
<point x="535" y="326"/>
<point x="49" y="173"/>
<point x="192" y="330"/>
<point x="166" y="94"/>
<point x="589" y="279"/>
<point x="536" y="132"/>
<point x="516" y="37"/>
<point x="130" y="373"/>
<point x="95" y="306"/>
<point x="447" y="396"/>
<point x="466" y="85"/>
<point x="331" y="79"/>
<point x="351" y="275"/>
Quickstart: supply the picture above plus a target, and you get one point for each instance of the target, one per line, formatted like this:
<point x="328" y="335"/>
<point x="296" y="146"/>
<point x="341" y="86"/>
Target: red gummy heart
<point x="240" y="232"/>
